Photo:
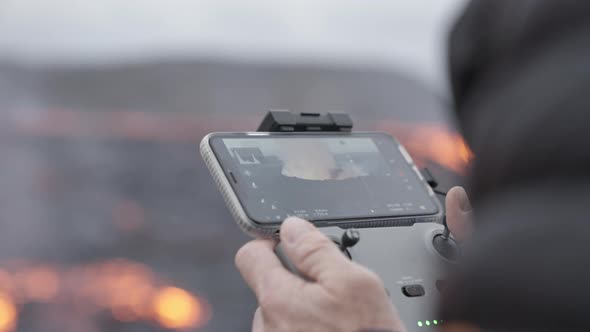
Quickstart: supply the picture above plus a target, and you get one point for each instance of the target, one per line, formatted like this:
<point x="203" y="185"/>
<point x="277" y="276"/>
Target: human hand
<point x="340" y="296"/>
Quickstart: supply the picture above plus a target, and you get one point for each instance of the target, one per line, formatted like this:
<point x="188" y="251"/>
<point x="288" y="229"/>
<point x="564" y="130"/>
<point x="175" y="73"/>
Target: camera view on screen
<point x="322" y="178"/>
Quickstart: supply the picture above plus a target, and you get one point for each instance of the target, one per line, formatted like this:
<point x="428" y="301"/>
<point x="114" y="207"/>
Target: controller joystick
<point x="445" y="245"/>
<point x="348" y="240"/>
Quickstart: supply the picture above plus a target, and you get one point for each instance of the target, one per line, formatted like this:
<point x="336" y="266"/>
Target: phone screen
<point x="319" y="177"/>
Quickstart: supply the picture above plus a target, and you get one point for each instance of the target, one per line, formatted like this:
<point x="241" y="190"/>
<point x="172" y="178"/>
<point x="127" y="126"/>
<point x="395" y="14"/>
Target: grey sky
<point x="407" y="35"/>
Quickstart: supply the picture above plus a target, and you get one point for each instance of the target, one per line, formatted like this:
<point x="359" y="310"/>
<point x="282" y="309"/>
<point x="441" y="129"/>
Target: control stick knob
<point x="349" y="238"/>
<point x="445" y="245"/>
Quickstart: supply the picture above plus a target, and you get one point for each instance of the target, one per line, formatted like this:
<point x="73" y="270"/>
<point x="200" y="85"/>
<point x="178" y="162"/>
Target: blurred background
<point x="109" y="219"/>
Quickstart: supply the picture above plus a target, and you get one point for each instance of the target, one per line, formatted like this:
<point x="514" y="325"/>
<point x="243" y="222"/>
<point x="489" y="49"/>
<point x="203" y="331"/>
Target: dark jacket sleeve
<point x="520" y="73"/>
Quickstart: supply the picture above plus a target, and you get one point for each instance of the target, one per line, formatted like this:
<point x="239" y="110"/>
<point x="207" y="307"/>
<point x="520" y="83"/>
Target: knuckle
<point x="311" y="246"/>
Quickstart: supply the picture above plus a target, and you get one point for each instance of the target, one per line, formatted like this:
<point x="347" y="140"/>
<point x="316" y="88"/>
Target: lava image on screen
<point x="323" y="178"/>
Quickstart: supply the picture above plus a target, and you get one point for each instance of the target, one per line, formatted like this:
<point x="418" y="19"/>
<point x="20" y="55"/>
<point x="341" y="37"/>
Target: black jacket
<point x="520" y="72"/>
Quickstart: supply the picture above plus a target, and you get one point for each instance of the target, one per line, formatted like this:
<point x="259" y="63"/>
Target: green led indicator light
<point x="428" y="323"/>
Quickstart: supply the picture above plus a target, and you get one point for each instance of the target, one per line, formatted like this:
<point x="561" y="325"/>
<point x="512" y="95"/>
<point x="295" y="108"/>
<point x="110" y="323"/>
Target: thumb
<point x="312" y="252"/>
<point x="459" y="213"/>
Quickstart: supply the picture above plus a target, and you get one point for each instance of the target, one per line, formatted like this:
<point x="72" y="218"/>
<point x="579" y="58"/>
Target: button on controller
<point x="413" y="290"/>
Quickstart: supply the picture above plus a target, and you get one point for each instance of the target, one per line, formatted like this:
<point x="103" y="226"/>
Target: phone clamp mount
<point x="285" y="121"/>
<point x="410" y="260"/>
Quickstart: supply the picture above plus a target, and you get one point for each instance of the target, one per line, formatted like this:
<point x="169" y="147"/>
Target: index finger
<point x="260" y="267"/>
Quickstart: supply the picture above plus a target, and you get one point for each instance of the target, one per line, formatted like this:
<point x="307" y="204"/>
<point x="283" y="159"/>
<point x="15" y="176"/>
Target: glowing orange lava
<point x="8" y="313"/>
<point x="130" y="291"/>
<point x="39" y="284"/>
<point x="176" y="308"/>
<point x="432" y="142"/>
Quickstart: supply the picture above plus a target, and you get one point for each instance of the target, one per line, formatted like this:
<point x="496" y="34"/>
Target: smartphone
<point x="331" y="179"/>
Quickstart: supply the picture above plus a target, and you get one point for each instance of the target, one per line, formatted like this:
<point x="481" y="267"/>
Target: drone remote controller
<point x="409" y="260"/>
<point x="394" y="230"/>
